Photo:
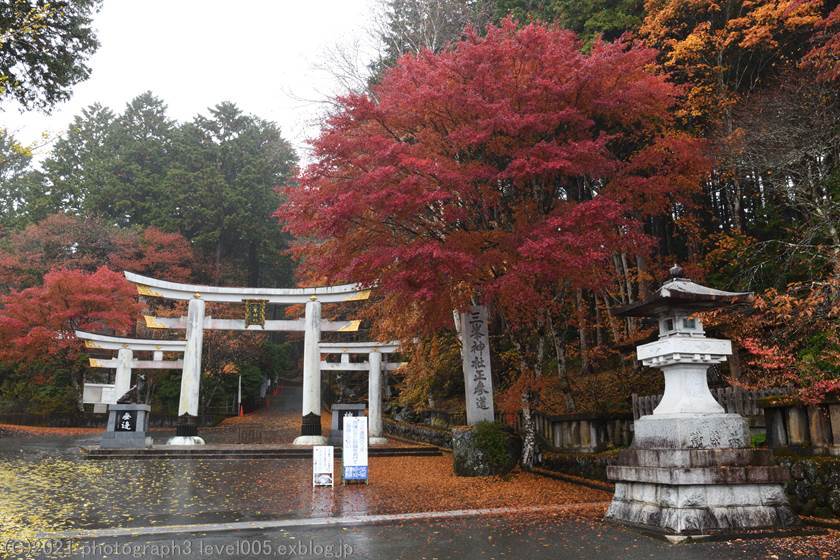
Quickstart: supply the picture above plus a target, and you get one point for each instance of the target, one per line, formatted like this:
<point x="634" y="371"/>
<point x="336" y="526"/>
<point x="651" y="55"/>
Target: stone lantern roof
<point x="683" y="294"/>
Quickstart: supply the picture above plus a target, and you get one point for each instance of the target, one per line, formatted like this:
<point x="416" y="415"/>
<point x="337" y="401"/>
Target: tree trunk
<point x="627" y="277"/>
<point x="219" y="260"/>
<point x="562" y="373"/>
<point x="616" y="336"/>
<point x="79" y="389"/>
<point x="253" y="265"/>
<point x="641" y="272"/>
<point x="737" y="223"/>
<point x="599" y="337"/>
<point x="735" y="365"/>
<point x="619" y="276"/>
<point x="529" y="436"/>
<point x="584" y="345"/>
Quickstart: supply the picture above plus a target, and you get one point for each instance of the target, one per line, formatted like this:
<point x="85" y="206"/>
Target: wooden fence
<point x="580" y="433"/>
<point x="733" y="400"/>
<point x="807" y="430"/>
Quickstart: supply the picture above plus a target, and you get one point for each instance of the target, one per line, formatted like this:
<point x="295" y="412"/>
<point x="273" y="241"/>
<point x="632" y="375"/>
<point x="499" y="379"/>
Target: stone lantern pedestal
<point x="691" y="469"/>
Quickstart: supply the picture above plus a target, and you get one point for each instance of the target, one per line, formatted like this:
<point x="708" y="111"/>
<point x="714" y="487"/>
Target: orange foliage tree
<point x="723" y="48"/>
<point x="788" y="339"/>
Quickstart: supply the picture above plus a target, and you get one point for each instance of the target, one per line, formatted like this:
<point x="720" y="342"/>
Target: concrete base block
<point x="694" y="458"/>
<point x="373" y="440"/>
<point x="125" y="440"/>
<point x="703" y="475"/>
<point x="701" y="509"/>
<point x="691" y="431"/>
<point x="310" y="440"/>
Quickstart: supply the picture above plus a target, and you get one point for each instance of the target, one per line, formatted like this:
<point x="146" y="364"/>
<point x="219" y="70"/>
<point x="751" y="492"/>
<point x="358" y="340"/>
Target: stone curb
<point x="574" y="479"/>
<point x="351" y="520"/>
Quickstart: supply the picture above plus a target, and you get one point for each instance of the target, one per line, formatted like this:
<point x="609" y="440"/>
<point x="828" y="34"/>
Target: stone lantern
<point x="691" y="469"/>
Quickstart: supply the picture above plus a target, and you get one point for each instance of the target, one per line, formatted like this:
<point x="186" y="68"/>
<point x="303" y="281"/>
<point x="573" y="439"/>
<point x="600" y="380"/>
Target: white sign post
<point x="354" y="457"/>
<point x="475" y="356"/>
<point x="322" y="465"/>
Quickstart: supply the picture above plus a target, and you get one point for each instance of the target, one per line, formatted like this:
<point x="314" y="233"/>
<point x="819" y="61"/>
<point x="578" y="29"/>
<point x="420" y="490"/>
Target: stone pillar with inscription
<point x="475" y="356"/>
<point x="310" y="429"/>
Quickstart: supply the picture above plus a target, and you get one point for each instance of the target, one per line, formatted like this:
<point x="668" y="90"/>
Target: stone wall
<point x="586" y="465"/>
<point x="441" y="437"/>
<point x="814" y="487"/>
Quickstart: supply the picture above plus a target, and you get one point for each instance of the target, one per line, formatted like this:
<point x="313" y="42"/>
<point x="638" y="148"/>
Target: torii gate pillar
<point x="122" y="379"/>
<point x="191" y="377"/>
<point x="310" y="427"/>
<point x="375" y="399"/>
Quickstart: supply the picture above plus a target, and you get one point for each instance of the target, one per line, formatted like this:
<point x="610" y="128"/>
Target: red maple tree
<point x="492" y="171"/>
<point x="62" y="241"/>
<point x="38" y="322"/>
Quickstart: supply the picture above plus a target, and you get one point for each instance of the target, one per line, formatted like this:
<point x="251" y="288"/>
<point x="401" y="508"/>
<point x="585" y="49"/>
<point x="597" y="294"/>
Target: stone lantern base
<point x="695" y="479"/>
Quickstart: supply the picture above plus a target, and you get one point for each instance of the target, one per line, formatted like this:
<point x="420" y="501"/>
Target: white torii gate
<point x="196" y="322"/>
<point x="374" y="366"/>
<point x="125" y="362"/>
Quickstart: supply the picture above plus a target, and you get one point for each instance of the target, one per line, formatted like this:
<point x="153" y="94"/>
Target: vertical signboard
<point x="475" y="356"/>
<point x="355" y="451"/>
<point x="322" y="465"/>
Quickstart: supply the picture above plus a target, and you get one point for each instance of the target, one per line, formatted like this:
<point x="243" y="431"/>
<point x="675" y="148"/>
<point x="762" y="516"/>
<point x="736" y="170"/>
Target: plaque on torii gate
<point x="374" y="366"/>
<point x="195" y="322"/>
<point x="124" y="363"/>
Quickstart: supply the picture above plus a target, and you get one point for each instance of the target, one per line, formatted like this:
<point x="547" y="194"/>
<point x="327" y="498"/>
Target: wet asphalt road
<point x="465" y="539"/>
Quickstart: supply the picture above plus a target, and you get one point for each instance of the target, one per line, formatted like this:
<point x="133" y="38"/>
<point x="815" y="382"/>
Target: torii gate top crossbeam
<point x="153" y="287"/>
<point x="93" y="340"/>
<point x="359" y="347"/>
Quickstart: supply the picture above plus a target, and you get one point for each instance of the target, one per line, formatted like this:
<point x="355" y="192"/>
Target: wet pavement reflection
<point x="45" y="484"/>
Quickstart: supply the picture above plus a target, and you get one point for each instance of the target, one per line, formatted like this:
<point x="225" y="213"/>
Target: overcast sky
<point x="261" y="54"/>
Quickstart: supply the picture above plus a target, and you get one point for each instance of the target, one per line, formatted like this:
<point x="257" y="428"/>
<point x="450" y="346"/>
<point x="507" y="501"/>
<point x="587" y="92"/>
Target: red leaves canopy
<point x="493" y="170"/>
<point x="62" y="241"/>
<point x="39" y="321"/>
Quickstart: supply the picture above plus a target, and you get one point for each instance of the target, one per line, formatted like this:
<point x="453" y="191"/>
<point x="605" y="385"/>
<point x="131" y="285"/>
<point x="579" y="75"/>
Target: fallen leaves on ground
<point x="14" y="429"/>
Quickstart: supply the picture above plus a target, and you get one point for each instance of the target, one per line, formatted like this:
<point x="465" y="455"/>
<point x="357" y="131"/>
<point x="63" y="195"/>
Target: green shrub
<point x="494" y="442"/>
